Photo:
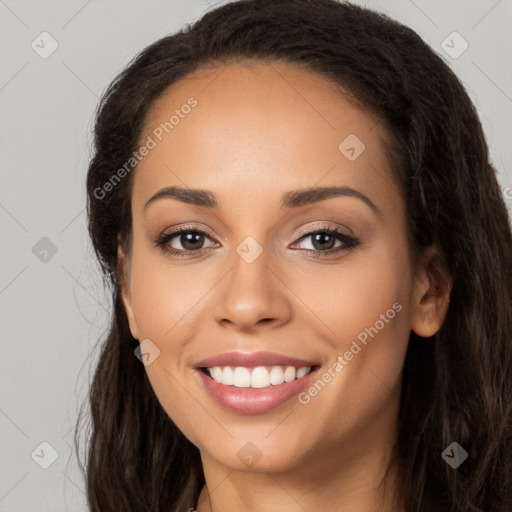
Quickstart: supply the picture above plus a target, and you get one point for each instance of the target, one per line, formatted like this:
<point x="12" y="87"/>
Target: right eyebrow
<point x="193" y="196"/>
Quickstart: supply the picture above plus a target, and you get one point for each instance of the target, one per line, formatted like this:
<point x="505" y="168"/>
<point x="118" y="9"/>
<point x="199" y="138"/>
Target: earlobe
<point x="123" y="272"/>
<point x="431" y="295"/>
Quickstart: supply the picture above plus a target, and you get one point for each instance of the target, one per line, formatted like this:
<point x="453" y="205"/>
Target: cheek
<point x="358" y="295"/>
<point x="163" y="302"/>
<point x="162" y="294"/>
<point x="364" y="305"/>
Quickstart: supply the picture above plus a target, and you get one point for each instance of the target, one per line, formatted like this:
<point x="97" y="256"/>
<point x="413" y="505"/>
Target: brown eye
<point x="323" y="241"/>
<point x="191" y="241"/>
<point x="183" y="241"/>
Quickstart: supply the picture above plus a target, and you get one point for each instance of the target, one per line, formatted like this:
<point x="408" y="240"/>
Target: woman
<point x="311" y="259"/>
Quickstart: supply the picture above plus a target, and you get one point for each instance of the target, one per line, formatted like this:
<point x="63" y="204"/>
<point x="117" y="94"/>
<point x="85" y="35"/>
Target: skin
<point x="260" y="130"/>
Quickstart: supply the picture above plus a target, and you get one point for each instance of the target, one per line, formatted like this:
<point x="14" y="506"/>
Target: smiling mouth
<point x="256" y="377"/>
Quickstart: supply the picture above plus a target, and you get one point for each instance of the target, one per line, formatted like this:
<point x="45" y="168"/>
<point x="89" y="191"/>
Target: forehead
<point x="257" y="126"/>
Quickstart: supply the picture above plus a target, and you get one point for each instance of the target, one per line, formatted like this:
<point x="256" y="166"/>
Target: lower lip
<point x="254" y="400"/>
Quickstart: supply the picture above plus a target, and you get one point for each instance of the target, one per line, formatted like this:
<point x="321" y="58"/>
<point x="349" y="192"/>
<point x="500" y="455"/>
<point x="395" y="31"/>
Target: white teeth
<point x="276" y="375"/>
<point x="259" y="377"/>
<point x="302" y="371"/>
<point x="217" y="374"/>
<point x="241" y="377"/>
<point x="289" y="374"/>
<point x="227" y="376"/>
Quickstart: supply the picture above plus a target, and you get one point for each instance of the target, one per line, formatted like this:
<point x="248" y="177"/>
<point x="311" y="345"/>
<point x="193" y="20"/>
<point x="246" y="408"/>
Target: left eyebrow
<point x="296" y="198"/>
<point x="291" y="199"/>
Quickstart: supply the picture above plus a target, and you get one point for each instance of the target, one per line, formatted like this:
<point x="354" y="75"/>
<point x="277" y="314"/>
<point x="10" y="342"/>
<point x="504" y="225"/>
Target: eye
<point x="183" y="241"/>
<point x="323" y="241"/>
<point x="189" y="242"/>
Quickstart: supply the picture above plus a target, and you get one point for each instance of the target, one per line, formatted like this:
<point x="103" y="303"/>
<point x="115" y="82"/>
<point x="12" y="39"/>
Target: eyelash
<point x="350" y="242"/>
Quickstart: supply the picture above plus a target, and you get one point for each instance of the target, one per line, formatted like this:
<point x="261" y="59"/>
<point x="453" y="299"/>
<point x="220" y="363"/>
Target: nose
<point x="252" y="297"/>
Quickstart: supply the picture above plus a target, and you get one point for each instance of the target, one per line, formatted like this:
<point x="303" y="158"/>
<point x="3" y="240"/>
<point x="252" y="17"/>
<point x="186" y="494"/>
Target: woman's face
<point x="263" y="275"/>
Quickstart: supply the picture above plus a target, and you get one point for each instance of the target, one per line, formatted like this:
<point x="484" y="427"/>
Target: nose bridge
<point x="252" y="291"/>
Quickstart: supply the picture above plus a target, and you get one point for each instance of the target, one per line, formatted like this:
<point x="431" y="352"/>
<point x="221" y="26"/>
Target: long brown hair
<point x="457" y="384"/>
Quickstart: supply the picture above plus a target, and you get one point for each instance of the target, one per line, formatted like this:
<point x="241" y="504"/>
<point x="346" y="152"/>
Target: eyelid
<point x="311" y="230"/>
<point x="186" y="228"/>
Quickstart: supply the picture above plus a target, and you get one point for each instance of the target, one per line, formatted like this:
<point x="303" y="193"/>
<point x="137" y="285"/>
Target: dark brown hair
<point x="456" y="385"/>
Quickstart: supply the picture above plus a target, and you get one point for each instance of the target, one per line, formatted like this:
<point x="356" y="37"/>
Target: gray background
<point x="53" y="312"/>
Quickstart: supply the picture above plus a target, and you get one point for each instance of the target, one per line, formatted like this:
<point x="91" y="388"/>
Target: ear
<point x="431" y="294"/>
<point x="123" y="273"/>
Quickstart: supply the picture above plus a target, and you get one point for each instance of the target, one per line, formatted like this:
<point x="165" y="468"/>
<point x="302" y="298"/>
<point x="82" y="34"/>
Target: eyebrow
<point x="292" y="199"/>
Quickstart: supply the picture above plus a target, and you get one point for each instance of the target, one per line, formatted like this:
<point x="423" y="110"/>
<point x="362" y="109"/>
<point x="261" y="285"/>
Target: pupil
<point x="319" y="236"/>
<point x="191" y="239"/>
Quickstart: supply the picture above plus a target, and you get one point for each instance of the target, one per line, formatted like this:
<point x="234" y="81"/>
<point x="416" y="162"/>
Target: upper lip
<point x="253" y="359"/>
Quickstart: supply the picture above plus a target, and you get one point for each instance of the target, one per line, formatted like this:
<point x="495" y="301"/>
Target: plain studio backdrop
<point x="57" y="58"/>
